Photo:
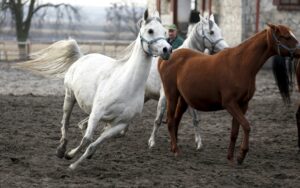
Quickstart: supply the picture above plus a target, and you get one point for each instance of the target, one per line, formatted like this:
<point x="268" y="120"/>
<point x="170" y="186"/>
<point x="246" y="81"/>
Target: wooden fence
<point x="9" y="49"/>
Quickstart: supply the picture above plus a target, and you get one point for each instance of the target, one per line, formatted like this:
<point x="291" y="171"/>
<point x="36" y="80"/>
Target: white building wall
<point x="229" y="19"/>
<point x="151" y="4"/>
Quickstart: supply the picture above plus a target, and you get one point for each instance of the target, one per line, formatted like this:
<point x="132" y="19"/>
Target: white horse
<point x="108" y="90"/>
<point x="205" y="35"/>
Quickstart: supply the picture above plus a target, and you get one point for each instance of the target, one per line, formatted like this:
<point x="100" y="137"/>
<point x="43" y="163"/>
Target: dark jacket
<point x="176" y="42"/>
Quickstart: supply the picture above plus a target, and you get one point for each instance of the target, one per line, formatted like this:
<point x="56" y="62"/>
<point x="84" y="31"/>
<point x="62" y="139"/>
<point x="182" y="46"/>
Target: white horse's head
<point x="153" y="36"/>
<point x="211" y="34"/>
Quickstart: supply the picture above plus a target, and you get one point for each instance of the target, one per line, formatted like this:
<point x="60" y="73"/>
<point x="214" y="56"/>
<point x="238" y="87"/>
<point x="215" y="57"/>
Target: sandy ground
<point x="31" y="110"/>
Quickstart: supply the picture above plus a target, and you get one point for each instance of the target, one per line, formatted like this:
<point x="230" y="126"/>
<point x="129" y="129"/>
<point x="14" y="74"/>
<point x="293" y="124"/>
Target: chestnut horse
<point x="283" y="74"/>
<point x="225" y="80"/>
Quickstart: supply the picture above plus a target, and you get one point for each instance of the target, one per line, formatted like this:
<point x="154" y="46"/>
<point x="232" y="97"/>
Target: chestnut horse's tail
<point x="283" y="73"/>
<point x="53" y="61"/>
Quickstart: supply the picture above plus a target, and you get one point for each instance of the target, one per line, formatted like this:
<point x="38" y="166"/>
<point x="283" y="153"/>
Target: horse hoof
<point x="60" y="153"/>
<point x="72" y="167"/>
<point x="68" y="157"/>
<point x="240" y="161"/>
<point x="151" y="143"/>
<point x="231" y="163"/>
<point x="176" y="154"/>
<point x="198" y="146"/>
<point x="89" y="156"/>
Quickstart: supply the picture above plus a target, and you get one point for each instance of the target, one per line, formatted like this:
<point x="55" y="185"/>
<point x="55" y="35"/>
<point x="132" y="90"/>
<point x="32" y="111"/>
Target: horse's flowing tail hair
<point x="53" y="61"/>
<point x="283" y="73"/>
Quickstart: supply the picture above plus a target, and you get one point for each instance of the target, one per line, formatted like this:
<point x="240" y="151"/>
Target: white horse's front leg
<point x="94" y="118"/>
<point x="92" y="147"/>
<point x="67" y="109"/>
<point x="161" y="108"/>
<point x="198" y="140"/>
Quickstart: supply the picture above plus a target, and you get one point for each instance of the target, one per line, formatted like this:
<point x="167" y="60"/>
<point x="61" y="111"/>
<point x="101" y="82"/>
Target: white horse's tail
<point x="54" y="60"/>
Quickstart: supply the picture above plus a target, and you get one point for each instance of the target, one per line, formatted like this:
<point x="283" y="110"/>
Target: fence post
<point x="28" y="48"/>
<point x="103" y="47"/>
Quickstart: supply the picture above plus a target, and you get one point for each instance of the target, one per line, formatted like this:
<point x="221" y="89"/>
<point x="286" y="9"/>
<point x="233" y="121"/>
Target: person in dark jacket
<point x="174" y="39"/>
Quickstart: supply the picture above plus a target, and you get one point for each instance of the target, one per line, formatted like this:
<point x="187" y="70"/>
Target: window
<point x="287" y="4"/>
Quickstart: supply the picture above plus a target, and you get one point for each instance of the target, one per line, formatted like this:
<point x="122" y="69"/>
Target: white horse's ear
<point x="155" y="13"/>
<point x="212" y="18"/>
<point x="139" y="23"/>
<point x="206" y="15"/>
<point x="201" y="17"/>
<point x="146" y="14"/>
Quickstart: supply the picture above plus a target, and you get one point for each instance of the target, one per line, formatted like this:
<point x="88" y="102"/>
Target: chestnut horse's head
<point x="283" y="41"/>
<point x="153" y="36"/>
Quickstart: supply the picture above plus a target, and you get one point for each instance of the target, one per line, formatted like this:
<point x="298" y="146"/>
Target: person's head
<point x="172" y="31"/>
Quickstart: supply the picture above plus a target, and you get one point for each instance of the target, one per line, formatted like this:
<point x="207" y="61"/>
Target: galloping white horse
<point x="205" y="35"/>
<point x="108" y="90"/>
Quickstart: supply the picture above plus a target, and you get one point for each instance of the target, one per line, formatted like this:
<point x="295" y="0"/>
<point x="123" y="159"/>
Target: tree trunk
<point x="22" y="46"/>
<point x="22" y="50"/>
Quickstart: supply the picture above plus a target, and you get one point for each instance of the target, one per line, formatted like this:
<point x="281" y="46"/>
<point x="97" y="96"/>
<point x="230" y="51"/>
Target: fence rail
<point x="9" y="49"/>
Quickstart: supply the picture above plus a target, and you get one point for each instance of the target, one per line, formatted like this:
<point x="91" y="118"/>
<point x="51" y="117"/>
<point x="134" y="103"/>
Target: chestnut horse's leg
<point x="180" y="109"/>
<point x="236" y="111"/>
<point x="298" y="111"/>
<point x="171" y="109"/>
<point x="194" y="115"/>
<point x="234" y="134"/>
<point x="298" y="125"/>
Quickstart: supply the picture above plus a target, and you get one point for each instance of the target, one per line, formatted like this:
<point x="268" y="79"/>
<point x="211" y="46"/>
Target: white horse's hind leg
<point x="104" y="136"/>
<point x="94" y="119"/>
<point x="198" y="140"/>
<point x="161" y="108"/>
<point x="83" y="125"/>
<point x="67" y="109"/>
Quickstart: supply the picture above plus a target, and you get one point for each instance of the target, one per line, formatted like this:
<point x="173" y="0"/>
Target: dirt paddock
<point x="31" y="111"/>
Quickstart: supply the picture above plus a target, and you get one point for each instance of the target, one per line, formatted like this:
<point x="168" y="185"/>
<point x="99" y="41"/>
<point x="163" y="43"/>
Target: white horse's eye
<point x="150" y="31"/>
<point x="211" y="32"/>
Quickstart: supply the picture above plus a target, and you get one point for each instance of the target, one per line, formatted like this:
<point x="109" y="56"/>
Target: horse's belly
<point x="122" y="112"/>
<point x="204" y="103"/>
<point x="85" y="102"/>
<point x="151" y="93"/>
<point x="208" y="106"/>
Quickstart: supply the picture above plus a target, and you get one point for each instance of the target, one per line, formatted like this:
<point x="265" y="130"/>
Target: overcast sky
<point x="95" y="2"/>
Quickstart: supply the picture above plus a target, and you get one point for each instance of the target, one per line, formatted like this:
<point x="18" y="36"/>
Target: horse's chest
<point x="246" y="93"/>
<point x="123" y="111"/>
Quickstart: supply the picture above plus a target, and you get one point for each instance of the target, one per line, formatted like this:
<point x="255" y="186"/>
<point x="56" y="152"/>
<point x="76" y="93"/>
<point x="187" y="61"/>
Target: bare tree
<point x="123" y="15"/>
<point x="23" y="11"/>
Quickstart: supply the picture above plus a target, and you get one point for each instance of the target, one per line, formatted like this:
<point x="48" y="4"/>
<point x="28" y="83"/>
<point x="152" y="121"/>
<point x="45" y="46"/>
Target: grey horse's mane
<point x="194" y="38"/>
<point x="126" y="53"/>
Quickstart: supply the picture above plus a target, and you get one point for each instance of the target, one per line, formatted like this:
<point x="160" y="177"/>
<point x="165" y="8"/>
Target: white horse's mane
<point x="126" y="53"/>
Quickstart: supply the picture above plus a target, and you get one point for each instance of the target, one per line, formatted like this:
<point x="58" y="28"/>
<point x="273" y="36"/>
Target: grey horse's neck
<point x="194" y="40"/>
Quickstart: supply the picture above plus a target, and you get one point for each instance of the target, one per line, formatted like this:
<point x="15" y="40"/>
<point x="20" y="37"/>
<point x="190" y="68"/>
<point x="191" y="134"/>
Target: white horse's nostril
<point x="165" y="50"/>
